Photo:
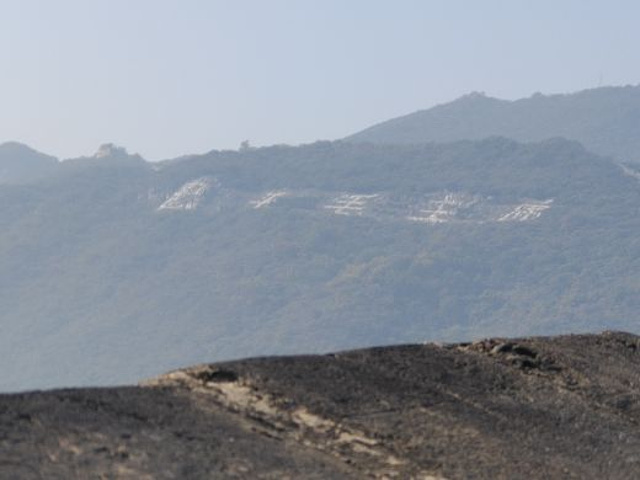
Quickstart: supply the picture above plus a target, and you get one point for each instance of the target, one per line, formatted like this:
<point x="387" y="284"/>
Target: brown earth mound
<point x="534" y="408"/>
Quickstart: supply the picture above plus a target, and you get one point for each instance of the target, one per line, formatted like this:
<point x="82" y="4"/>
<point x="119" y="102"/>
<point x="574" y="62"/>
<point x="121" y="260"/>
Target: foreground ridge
<point x="547" y="407"/>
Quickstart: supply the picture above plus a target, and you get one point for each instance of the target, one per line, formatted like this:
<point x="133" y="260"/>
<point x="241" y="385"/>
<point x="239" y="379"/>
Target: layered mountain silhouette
<point x="605" y="120"/>
<point x="536" y="408"/>
<point x="430" y="227"/>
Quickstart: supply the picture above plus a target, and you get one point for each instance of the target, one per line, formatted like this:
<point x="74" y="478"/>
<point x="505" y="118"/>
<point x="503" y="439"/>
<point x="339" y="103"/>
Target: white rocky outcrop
<point x="350" y="204"/>
<point x="444" y="209"/>
<point x="108" y="150"/>
<point x="188" y="196"/>
<point x="526" y="211"/>
<point x="268" y="198"/>
<point x="430" y="209"/>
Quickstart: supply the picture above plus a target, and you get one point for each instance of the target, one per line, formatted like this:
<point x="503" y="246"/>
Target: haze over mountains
<point x="114" y="269"/>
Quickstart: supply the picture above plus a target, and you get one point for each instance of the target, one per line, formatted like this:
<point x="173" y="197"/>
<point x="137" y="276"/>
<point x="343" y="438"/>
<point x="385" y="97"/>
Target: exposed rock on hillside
<point x="563" y="407"/>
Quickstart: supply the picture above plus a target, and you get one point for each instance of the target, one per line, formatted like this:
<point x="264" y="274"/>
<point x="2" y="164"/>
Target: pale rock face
<point x="430" y="209"/>
<point x="268" y="198"/>
<point x="110" y="150"/>
<point x="350" y="204"/>
<point x="526" y="211"/>
<point x="445" y="209"/>
<point x="187" y="197"/>
<point x="630" y="172"/>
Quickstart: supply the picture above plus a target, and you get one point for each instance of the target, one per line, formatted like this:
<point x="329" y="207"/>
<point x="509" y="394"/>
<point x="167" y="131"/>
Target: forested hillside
<point x="113" y="269"/>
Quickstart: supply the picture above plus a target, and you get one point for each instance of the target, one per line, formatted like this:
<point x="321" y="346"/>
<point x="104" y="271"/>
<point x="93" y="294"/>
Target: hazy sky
<point x="164" y="78"/>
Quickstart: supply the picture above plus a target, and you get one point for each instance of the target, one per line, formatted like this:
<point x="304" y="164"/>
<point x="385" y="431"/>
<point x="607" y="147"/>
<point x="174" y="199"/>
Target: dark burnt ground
<point x="536" y="408"/>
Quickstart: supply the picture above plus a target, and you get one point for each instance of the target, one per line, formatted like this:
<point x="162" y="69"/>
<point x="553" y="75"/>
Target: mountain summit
<point x="110" y="150"/>
<point x="605" y="120"/>
<point x="112" y="153"/>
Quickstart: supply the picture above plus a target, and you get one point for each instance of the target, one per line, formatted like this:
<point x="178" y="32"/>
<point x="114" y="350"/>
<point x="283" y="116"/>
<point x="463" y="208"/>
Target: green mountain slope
<point x="115" y="269"/>
<point x="605" y="120"/>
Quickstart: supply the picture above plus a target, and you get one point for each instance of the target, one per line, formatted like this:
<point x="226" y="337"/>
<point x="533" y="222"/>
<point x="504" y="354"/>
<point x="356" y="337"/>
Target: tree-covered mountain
<point x="605" y="120"/>
<point x="21" y="164"/>
<point x="114" y="269"/>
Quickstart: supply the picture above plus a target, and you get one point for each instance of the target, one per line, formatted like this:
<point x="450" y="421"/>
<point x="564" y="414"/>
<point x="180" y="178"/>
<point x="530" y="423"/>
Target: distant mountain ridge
<point x="605" y="120"/>
<point x="22" y="164"/>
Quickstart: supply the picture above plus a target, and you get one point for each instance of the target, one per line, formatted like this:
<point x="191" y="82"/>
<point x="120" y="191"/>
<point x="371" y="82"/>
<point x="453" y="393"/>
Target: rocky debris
<point x="285" y="420"/>
<point x="514" y="353"/>
<point x="535" y="408"/>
